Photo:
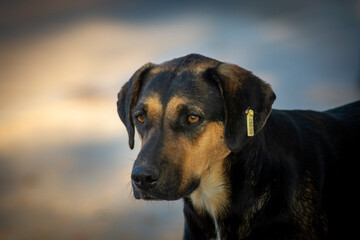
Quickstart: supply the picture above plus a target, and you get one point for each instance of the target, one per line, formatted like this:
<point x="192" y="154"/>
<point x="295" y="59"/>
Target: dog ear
<point x="242" y="91"/>
<point x="127" y="99"/>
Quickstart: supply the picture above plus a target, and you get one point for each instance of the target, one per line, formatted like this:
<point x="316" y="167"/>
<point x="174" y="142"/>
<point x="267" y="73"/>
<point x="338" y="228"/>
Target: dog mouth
<point x="157" y="195"/>
<point x="139" y="194"/>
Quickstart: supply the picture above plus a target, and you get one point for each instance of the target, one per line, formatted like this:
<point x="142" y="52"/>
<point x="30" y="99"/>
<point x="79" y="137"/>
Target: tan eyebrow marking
<point x="154" y="107"/>
<point x="172" y="106"/>
<point x="171" y="111"/>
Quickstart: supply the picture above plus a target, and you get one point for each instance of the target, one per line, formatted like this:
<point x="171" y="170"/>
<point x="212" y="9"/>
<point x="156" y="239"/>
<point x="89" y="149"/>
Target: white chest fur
<point x="212" y="196"/>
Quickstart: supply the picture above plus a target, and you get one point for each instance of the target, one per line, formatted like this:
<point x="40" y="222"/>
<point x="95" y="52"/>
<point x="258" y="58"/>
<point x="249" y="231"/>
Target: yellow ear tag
<point x="250" y="122"/>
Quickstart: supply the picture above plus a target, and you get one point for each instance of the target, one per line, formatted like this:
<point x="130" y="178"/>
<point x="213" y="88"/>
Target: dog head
<point x="190" y="114"/>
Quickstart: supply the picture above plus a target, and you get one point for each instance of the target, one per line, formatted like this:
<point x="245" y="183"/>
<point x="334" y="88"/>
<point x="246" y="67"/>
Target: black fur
<point x="297" y="178"/>
<point x="293" y="148"/>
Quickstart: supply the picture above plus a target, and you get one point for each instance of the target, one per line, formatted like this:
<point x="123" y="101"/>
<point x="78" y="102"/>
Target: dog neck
<point x="212" y="195"/>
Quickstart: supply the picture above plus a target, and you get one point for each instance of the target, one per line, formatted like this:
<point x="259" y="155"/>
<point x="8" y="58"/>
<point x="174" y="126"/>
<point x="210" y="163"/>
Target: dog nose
<point x="145" y="177"/>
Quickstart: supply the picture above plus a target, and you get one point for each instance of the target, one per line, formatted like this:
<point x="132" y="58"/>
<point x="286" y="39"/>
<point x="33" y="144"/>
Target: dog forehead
<point x="185" y="82"/>
<point x="180" y="72"/>
<point x="178" y="82"/>
<point x="156" y="105"/>
<point x="195" y="63"/>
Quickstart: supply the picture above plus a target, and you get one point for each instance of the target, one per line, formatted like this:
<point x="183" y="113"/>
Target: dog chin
<point x="139" y="194"/>
<point x="145" y="196"/>
<point x="155" y="195"/>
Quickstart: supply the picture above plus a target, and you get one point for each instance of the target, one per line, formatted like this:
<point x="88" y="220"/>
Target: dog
<point x="209" y="136"/>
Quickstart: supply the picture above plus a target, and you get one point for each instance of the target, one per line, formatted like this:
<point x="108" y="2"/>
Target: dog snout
<point x="145" y="177"/>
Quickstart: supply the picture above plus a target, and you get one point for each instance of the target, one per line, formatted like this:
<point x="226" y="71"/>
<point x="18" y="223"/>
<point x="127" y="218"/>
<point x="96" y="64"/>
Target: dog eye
<point x="140" y="118"/>
<point x="193" y="119"/>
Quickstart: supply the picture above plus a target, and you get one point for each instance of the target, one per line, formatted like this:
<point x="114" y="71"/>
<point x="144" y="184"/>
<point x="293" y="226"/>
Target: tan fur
<point x="154" y="113"/>
<point x="202" y="159"/>
<point x="141" y="140"/>
<point x="171" y="112"/>
<point x="154" y="106"/>
<point x="205" y="158"/>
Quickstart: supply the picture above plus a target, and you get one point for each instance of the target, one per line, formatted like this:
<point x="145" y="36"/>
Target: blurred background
<point x="64" y="160"/>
